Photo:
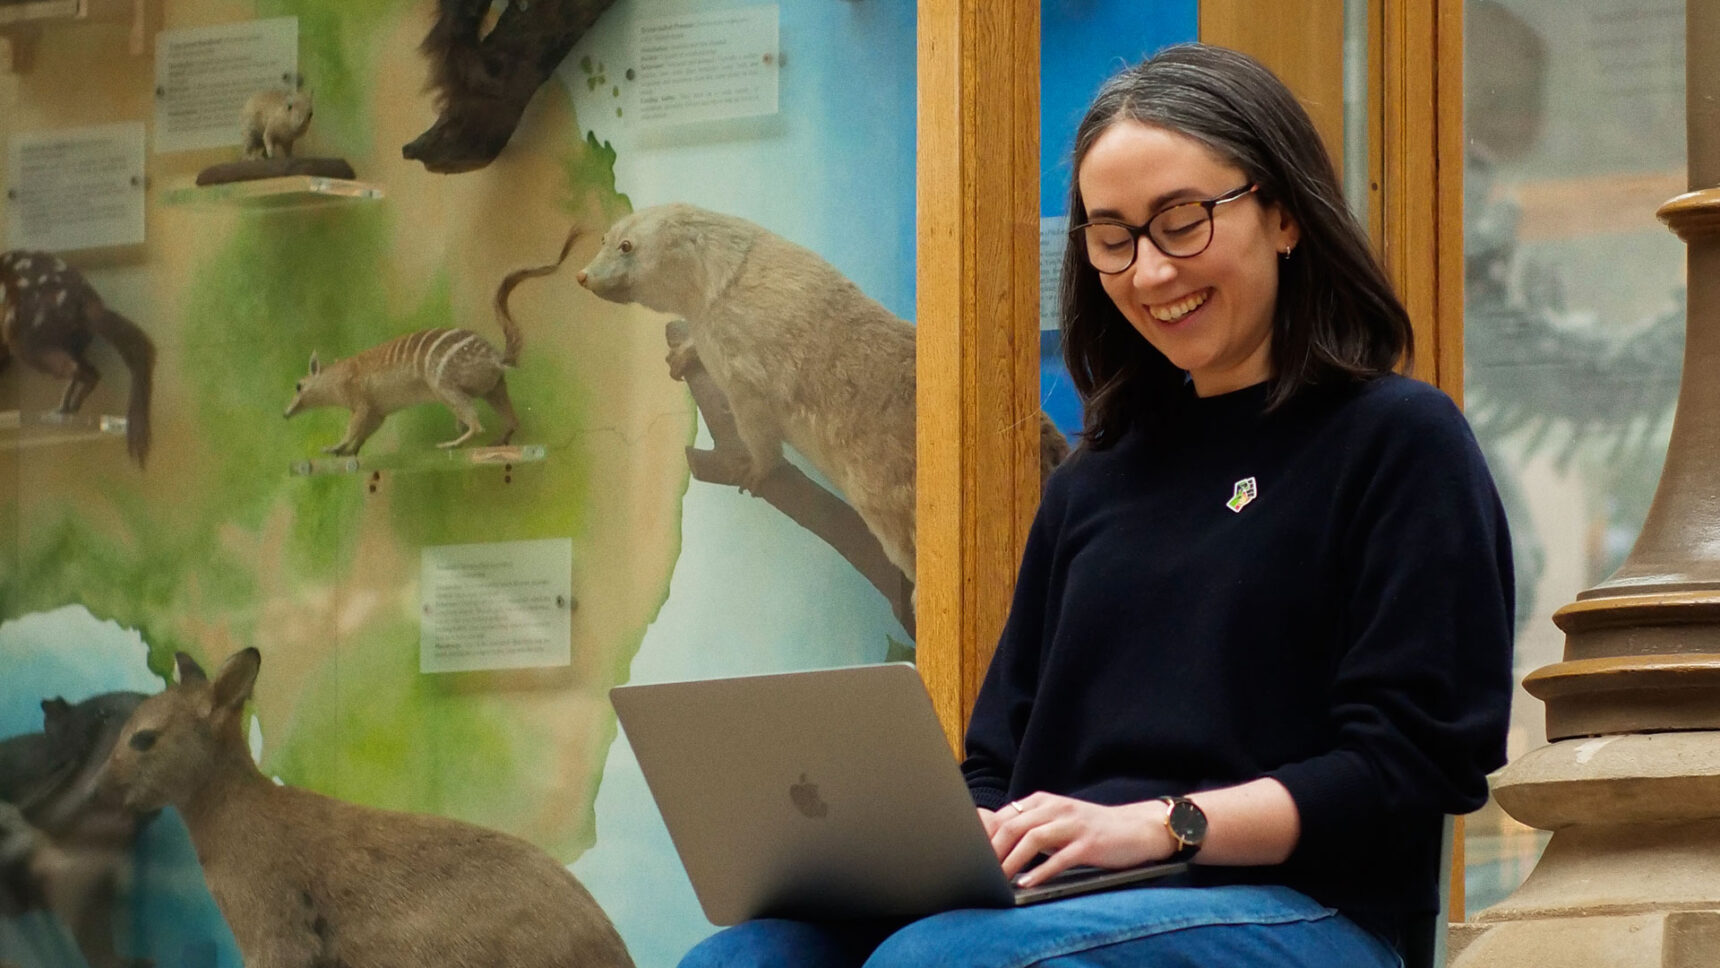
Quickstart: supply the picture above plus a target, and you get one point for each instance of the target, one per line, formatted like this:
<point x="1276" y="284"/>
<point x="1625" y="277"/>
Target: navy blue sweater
<point x="1347" y="631"/>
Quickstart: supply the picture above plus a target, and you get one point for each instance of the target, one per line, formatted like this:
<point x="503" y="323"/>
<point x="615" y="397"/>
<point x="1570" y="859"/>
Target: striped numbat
<point x="454" y="367"/>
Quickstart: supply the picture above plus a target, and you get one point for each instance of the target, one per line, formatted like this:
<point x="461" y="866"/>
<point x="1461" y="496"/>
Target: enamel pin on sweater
<point x="1246" y="491"/>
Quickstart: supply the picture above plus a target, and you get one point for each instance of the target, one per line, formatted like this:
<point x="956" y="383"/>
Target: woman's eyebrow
<point x="1158" y="204"/>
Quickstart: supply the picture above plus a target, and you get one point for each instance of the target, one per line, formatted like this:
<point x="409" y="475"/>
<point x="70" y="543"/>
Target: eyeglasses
<point x="1181" y="231"/>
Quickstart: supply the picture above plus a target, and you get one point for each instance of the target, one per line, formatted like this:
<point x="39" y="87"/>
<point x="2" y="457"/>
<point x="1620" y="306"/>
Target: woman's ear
<point x="1288" y="233"/>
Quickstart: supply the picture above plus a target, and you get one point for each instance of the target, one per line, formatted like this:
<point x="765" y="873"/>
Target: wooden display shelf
<point x="455" y="459"/>
<point x="291" y="191"/>
<point x="21" y="23"/>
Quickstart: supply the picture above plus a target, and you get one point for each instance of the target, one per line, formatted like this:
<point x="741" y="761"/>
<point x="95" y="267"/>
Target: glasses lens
<point x="1110" y="247"/>
<point x="1182" y="230"/>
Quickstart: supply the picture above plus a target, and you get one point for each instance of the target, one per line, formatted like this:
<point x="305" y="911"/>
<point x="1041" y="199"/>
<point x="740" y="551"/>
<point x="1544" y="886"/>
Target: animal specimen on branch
<point x="304" y="879"/>
<point x="483" y="81"/>
<point x="794" y="353"/>
<point x="52" y="315"/>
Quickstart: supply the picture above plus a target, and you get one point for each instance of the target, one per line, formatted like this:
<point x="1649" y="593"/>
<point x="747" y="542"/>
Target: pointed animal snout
<point x="580" y="278"/>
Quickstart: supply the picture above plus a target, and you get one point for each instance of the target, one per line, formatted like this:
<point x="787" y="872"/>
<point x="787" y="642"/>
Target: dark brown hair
<point x="1336" y="318"/>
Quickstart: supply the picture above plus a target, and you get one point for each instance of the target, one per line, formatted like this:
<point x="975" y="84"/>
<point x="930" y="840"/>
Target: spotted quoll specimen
<point x="451" y="366"/>
<point x="307" y="880"/>
<point x="51" y="316"/>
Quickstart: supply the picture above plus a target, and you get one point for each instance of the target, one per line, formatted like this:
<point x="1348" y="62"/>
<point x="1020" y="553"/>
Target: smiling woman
<point x="1263" y="618"/>
<point x="1200" y="295"/>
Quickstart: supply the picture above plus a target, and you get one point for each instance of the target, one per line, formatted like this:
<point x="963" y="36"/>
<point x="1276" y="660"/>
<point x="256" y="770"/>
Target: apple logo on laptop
<point x="806" y="799"/>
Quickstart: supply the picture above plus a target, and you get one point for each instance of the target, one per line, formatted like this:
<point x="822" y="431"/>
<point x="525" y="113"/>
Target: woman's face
<point x="1209" y="314"/>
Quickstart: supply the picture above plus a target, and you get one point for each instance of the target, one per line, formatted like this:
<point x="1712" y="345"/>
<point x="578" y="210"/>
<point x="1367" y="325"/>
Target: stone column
<point x="1629" y="783"/>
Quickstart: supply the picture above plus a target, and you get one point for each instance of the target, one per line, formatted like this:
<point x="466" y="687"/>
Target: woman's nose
<point x="1151" y="267"/>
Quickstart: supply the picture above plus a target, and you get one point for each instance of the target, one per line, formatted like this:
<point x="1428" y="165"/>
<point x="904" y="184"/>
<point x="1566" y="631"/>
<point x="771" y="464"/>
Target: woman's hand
<point x="1075" y="832"/>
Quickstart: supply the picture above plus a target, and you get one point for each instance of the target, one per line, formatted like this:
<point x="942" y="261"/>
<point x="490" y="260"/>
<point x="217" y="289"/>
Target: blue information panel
<point x="1082" y="42"/>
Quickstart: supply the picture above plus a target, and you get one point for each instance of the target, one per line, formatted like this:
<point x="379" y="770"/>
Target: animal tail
<point x="139" y="355"/>
<point x="510" y="329"/>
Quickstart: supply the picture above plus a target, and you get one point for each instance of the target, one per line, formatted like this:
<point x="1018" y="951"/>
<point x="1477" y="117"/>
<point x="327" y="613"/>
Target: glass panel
<point x="439" y="628"/>
<point x="1356" y="117"/>
<point x="1574" y="322"/>
<point x="1082" y="42"/>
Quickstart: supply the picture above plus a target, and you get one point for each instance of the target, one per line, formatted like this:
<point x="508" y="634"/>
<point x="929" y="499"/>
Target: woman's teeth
<point x="1173" y="311"/>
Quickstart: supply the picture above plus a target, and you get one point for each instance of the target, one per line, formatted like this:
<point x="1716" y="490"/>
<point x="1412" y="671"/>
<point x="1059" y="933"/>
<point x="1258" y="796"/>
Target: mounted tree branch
<point x="787" y="488"/>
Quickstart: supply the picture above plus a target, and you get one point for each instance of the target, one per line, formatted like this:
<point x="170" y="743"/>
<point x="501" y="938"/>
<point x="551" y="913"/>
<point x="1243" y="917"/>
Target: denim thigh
<point x="1147" y="927"/>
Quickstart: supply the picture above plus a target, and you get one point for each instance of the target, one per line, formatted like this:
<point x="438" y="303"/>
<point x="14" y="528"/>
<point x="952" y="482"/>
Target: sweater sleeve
<point x="1006" y="696"/>
<point x="1420" y="695"/>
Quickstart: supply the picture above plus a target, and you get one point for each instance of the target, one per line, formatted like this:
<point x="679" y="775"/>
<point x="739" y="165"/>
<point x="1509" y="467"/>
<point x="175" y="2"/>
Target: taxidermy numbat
<point x="64" y="848"/>
<point x="273" y="120"/>
<point x="452" y="366"/>
<point x="802" y="355"/>
<point x="52" y="314"/>
<point x="303" y="879"/>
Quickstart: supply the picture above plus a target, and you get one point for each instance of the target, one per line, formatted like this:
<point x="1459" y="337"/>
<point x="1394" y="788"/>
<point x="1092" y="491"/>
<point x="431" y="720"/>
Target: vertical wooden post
<point x="977" y="306"/>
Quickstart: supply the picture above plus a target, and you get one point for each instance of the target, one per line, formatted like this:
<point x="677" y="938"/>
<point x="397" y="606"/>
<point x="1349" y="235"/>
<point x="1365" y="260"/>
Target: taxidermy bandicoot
<point x="448" y="365"/>
<point x="303" y="879"/>
<point x="51" y="316"/>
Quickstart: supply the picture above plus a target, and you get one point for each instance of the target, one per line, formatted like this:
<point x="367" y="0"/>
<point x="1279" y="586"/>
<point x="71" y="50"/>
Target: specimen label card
<point x="706" y="65"/>
<point x="501" y="605"/>
<point x="76" y="188"/>
<point x="204" y="76"/>
<point x="1053" y="240"/>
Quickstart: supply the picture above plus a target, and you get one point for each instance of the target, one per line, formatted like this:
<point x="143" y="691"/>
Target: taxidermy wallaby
<point x="63" y="848"/>
<point x="307" y="880"/>
<point x="51" y="316"/>
<point x="453" y="366"/>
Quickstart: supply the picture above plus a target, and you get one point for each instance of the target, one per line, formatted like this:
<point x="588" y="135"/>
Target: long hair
<point x="1336" y="318"/>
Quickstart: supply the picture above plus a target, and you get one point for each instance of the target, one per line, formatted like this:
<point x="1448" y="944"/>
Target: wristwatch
<point x="1186" y="823"/>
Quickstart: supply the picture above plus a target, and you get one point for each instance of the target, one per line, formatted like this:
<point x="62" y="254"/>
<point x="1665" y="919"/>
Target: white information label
<point x="76" y="188"/>
<point x="204" y="75"/>
<point x="504" y="605"/>
<point x="1053" y="240"/>
<point x="705" y="65"/>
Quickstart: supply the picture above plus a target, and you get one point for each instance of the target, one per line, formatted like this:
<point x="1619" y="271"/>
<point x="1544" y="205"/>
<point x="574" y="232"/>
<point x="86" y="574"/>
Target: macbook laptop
<point x="825" y="794"/>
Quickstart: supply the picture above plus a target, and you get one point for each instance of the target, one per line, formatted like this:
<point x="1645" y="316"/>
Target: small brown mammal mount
<point x="450" y="366"/>
<point x="273" y="120"/>
<point x="303" y="879"/>
<point x="52" y="314"/>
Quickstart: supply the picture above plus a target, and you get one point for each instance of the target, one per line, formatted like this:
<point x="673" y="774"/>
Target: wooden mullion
<point x="977" y="308"/>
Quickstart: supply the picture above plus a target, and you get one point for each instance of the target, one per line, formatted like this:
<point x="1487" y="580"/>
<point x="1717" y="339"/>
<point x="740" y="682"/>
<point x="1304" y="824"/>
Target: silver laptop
<point x="826" y="794"/>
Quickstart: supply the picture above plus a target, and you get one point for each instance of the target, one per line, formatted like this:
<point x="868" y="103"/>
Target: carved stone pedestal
<point x="1631" y="877"/>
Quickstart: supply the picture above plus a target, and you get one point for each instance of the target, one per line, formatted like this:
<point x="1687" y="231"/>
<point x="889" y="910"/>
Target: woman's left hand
<point x="1075" y="832"/>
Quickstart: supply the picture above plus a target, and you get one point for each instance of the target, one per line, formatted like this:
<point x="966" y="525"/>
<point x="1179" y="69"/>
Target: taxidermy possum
<point x="452" y="366"/>
<point x="272" y="120"/>
<point x="802" y="355"/>
<point x="483" y="80"/>
<point x="51" y="316"/>
<point x="63" y="847"/>
<point x="305" y="880"/>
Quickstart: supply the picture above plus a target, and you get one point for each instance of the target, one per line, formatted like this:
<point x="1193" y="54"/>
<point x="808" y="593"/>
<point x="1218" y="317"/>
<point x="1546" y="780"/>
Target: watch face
<point x="1187" y="822"/>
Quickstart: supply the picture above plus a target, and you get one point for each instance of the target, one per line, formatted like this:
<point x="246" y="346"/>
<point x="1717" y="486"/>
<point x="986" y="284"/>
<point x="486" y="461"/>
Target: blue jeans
<point x="1145" y="927"/>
